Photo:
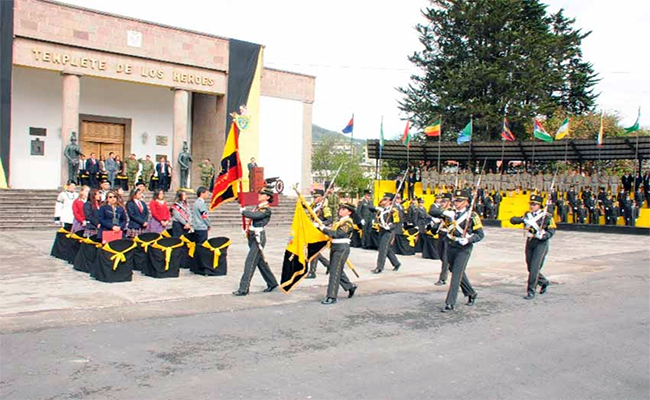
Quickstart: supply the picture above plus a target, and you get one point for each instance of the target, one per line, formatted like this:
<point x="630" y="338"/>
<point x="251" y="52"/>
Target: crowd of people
<point x="92" y="211"/>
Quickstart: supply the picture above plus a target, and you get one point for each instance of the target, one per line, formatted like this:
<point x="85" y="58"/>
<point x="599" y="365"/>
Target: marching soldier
<point x="322" y="209"/>
<point x="132" y="168"/>
<point x="147" y="170"/>
<point x="443" y="203"/>
<point x="341" y="232"/>
<point x="207" y="172"/>
<point x="388" y="218"/>
<point x="259" y="217"/>
<point x="366" y="210"/>
<point x="465" y="229"/>
<point x="540" y="228"/>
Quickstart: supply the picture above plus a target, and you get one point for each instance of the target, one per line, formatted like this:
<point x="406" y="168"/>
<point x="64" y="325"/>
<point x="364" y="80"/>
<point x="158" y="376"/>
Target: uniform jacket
<point x="92" y="215"/>
<point x="342" y="229"/>
<point x="260" y="216"/>
<point x="137" y="217"/>
<point x="534" y="222"/>
<point x="457" y="224"/>
<point x="106" y="215"/>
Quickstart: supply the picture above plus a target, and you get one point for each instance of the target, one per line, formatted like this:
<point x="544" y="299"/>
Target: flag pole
<point x="439" y="140"/>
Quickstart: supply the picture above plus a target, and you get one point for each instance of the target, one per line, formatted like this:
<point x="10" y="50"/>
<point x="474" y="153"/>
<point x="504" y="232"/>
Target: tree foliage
<point x="332" y="152"/>
<point x="486" y="57"/>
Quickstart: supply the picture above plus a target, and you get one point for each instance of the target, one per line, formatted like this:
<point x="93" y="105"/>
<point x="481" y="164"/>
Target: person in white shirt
<point x="63" y="209"/>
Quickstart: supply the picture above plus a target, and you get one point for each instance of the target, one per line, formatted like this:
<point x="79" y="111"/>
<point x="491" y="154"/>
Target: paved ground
<point x="65" y="336"/>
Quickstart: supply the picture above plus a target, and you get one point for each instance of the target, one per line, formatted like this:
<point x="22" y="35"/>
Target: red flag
<point x="506" y="134"/>
<point x="406" y="138"/>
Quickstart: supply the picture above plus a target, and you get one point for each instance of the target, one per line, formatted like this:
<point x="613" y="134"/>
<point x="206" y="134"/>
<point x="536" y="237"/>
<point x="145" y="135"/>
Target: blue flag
<point x="465" y="135"/>
<point x="350" y="126"/>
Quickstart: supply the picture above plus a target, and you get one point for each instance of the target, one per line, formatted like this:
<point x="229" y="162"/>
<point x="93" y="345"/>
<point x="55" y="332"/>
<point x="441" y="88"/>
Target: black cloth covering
<point x="205" y="257"/>
<point x="430" y="246"/>
<point x="75" y="245"/>
<point x="116" y="269"/>
<point x="62" y="246"/>
<point x="402" y="245"/>
<point x="87" y="253"/>
<point x="144" y="241"/>
<point x="160" y="266"/>
<point x="188" y="259"/>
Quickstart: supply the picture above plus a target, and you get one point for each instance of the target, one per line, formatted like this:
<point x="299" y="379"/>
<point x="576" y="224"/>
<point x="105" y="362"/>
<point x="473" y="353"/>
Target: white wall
<point x="36" y="102"/>
<point x="280" y="143"/>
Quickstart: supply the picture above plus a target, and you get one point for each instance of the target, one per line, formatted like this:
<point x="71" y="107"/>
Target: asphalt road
<point x="585" y="340"/>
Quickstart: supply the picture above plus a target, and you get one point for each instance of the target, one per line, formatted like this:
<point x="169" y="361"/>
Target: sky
<point x="358" y="49"/>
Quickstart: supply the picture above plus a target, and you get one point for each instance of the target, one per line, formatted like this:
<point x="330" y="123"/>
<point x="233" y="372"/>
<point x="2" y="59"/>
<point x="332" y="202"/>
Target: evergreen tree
<point x="482" y="57"/>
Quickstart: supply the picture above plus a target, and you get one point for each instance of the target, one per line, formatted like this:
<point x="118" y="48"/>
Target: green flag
<point x="634" y="127"/>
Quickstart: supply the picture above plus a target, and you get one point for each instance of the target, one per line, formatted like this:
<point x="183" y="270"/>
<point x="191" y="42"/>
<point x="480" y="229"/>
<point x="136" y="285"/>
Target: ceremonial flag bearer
<point x="341" y="232"/>
<point x="540" y="227"/>
<point x="464" y="229"/>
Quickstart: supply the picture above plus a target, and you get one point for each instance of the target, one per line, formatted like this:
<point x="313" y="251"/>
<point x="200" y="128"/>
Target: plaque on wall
<point x="38" y="147"/>
<point x="37" y="131"/>
<point x="161" y="140"/>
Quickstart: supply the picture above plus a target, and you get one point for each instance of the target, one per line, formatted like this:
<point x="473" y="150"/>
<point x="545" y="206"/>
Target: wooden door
<point x="101" y="138"/>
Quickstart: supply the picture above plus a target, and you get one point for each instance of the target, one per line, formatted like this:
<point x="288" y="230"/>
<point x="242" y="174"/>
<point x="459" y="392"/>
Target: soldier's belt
<point x="256" y="229"/>
<point x="341" y="241"/>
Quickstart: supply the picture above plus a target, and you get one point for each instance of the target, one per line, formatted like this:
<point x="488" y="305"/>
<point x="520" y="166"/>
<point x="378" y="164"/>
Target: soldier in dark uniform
<point x="627" y="181"/>
<point x="562" y="208"/>
<point x="588" y="200"/>
<point x="322" y="209"/>
<point x="442" y="220"/>
<point x="341" y="232"/>
<point x="580" y="213"/>
<point x="460" y="242"/>
<point x="627" y="208"/>
<point x="366" y="210"/>
<point x="497" y="202"/>
<point x="259" y="217"/>
<point x="388" y="218"/>
<point x="572" y="199"/>
<point x="489" y="207"/>
<point x="540" y="228"/>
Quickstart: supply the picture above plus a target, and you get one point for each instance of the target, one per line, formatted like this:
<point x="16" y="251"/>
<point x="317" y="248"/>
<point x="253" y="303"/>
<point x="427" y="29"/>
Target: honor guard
<point x="340" y="232"/>
<point x="321" y="207"/>
<point x="388" y="218"/>
<point x="443" y="203"/>
<point x="259" y="218"/>
<point x="465" y="229"/>
<point x="366" y="211"/>
<point x="540" y="227"/>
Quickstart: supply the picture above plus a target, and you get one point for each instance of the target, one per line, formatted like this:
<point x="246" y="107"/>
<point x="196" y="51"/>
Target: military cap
<point x="536" y="199"/>
<point x="367" y="192"/>
<point x="389" y="196"/>
<point x="463" y="194"/>
<point x="103" y="180"/>
<point x="138" y="183"/>
<point x="267" y="191"/>
<point x="318" y="192"/>
<point x="444" y="196"/>
<point x="348" y="206"/>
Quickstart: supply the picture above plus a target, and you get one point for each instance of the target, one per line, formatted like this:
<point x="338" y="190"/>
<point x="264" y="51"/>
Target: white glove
<point x="363" y="222"/>
<point x="317" y="225"/>
<point x="540" y="235"/>
<point x="463" y="241"/>
<point x="449" y="214"/>
<point x="242" y="209"/>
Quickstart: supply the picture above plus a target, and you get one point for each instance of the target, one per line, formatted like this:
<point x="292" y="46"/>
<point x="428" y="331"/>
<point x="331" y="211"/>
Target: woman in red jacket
<point x="160" y="217"/>
<point x="79" y="222"/>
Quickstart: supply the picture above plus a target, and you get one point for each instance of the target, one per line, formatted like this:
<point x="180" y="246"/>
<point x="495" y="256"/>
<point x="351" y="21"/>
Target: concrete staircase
<point x="34" y="209"/>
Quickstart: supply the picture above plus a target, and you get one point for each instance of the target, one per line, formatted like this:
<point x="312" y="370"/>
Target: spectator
<point x="626" y="181"/>
<point x="78" y="210"/>
<point x="200" y="216"/>
<point x="92" y="168"/>
<point x="111" y="168"/>
<point x="163" y="172"/>
<point x="104" y="187"/>
<point x="160" y="215"/>
<point x="91" y="212"/>
<point x="180" y="215"/>
<point x="63" y="210"/>
<point x="138" y="213"/>
<point x="111" y="216"/>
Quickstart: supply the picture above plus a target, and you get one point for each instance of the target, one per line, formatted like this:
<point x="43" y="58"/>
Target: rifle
<point x="548" y="200"/>
<point x="317" y="220"/>
<point x="399" y="187"/>
<point x="473" y="204"/>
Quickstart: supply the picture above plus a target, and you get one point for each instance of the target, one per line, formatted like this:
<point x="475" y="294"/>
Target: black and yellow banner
<point x="226" y="186"/>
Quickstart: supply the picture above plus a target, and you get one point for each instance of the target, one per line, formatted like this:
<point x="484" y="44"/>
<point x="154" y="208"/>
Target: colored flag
<point x="226" y="184"/>
<point x="465" y="135"/>
<point x="381" y="137"/>
<point x="406" y="138"/>
<point x="506" y="133"/>
<point x="433" y="129"/>
<point x="601" y="132"/>
<point x="350" y="126"/>
<point x="540" y="133"/>
<point x="563" y="130"/>
<point x="634" y="127"/>
<point x="305" y="242"/>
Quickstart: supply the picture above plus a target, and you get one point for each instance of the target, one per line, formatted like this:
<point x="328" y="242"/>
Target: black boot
<point x="270" y="289"/>
<point x="352" y="291"/>
<point x="311" y="275"/>
<point x="472" y="299"/>
<point x="396" y="268"/>
<point x="544" y="287"/>
<point x="529" y="296"/>
<point x="376" y="271"/>
<point x="447" y="308"/>
<point x="239" y="293"/>
<point x="440" y="283"/>
<point x="328" y="301"/>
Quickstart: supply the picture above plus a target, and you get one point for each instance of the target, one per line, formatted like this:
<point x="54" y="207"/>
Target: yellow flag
<point x="305" y="242"/>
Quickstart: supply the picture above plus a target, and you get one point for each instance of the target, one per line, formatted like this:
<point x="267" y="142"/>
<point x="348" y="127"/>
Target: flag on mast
<point x="540" y="133"/>
<point x="563" y="130"/>
<point x="634" y="127"/>
<point x="465" y="135"/>
<point x="601" y="132"/>
<point x="406" y="138"/>
<point x="434" y="129"/>
<point x="226" y="184"/>
<point x="506" y="133"/>
<point x="381" y="137"/>
<point x="349" y="128"/>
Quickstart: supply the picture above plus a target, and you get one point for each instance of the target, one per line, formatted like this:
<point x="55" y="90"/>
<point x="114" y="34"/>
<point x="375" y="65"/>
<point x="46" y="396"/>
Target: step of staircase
<point x="34" y="210"/>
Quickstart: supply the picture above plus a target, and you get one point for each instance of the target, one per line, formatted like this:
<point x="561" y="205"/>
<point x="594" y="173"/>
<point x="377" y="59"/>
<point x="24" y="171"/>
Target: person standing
<point x="111" y="168"/>
<point x="388" y="218"/>
<point x="111" y="216"/>
<point x="207" y="172"/>
<point x="92" y="169"/>
<point x="341" y="232"/>
<point x="366" y="211"/>
<point x="138" y="213"/>
<point x="251" y="165"/>
<point x="465" y="229"/>
<point x="160" y="215"/>
<point x="256" y="234"/>
<point x="540" y="227"/>
<point x="201" y="216"/>
<point x="321" y="208"/>
<point x="147" y="170"/>
<point x="164" y="174"/>
<point x="78" y="210"/>
<point x="132" y="168"/>
<point x="180" y="215"/>
<point x="425" y="168"/>
<point x="411" y="180"/>
<point x="626" y="181"/>
<point x="63" y="214"/>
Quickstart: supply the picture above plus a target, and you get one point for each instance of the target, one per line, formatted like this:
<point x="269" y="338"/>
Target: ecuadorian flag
<point x="305" y="242"/>
<point x="226" y="185"/>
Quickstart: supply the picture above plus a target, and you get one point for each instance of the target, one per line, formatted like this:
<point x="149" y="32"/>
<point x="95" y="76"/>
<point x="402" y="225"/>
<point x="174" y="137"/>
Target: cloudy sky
<point x="358" y="49"/>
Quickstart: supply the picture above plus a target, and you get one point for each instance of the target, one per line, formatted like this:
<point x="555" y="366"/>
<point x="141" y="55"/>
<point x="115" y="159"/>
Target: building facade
<point x="131" y="86"/>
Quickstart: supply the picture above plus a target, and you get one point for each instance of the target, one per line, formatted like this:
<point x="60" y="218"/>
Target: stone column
<point x="181" y="102"/>
<point x="69" y="117"/>
<point x="307" y="110"/>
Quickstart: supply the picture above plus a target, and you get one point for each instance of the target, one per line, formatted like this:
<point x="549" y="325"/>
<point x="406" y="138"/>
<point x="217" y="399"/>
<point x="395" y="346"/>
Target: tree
<point x="332" y="152"/>
<point x="486" y="57"/>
